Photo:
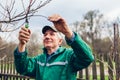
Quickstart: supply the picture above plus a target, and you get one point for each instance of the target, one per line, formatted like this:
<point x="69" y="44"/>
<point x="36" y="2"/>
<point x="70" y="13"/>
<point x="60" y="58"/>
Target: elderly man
<point x="56" y="62"/>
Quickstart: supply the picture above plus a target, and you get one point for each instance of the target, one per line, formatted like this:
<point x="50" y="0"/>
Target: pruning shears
<point x="27" y="12"/>
<point x="26" y="20"/>
<point x="26" y="23"/>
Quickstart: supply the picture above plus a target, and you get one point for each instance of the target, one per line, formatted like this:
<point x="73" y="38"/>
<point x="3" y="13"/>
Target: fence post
<point x="87" y="73"/>
<point x="102" y="74"/>
<point x="117" y="55"/>
<point x="81" y="74"/>
<point x="94" y="70"/>
<point x="110" y="67"/>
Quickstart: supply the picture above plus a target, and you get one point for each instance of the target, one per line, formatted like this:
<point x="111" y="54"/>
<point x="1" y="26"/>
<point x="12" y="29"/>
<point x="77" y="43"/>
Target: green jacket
<point x="61" y="66"/>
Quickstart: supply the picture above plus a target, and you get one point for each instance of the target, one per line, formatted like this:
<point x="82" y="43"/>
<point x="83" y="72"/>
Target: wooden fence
<point x="8" y="72"/>
<point x="98" y="70"/>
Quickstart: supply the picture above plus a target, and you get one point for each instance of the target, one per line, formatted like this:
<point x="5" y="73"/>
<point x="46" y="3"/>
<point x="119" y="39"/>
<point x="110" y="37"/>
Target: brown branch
<point x="9" y="14"/>
<point x="12" y="29"/>
<point x="107" y="65"/>
<point x="10" y="17"/>
<point x="22" y="15"/>
<point x="2" y="7"/>
<point x="23" y="6"/>
<point x="12" y="6"/>
<point x="40" y="5"/>
<point x="3" y="58"/>
<point x="23" y="23"/>
<point x="21" y="18"/>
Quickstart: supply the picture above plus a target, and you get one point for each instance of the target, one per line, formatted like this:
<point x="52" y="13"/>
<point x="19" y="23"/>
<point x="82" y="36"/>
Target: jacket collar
<point x="58" y="51"/>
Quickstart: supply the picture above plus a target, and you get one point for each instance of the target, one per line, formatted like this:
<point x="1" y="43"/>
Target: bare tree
<point x="10" y="15"/>
<point x="14" y="11"/>
<point x="34" y="46"/>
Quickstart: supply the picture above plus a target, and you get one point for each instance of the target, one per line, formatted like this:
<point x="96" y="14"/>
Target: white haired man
<point x="56" y="62"/>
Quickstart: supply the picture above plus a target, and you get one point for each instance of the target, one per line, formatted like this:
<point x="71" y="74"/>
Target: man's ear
<point x="60" y="41"/>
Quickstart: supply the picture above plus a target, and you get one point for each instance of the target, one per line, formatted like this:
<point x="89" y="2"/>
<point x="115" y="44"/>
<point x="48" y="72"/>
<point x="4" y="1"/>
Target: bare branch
<point x="107" y="65"/>
<point x="12" y="5"/>
<point x="3" y="57"/>
<point x="10" y="15"/>
<point x="2" y="7"/>
<point x="23" y="6"/>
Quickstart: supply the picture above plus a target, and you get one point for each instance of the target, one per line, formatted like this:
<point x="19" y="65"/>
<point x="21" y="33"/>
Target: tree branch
<point x="9" y="14"/>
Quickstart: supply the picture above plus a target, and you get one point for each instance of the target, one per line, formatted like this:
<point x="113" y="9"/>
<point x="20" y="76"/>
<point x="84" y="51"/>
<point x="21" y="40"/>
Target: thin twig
<point x="23" y="6"/>
<point x="12" y="5"/>
<point x="106" y="64"/>
<point x="10" y="18"/>
<point x="13" y="29"/>
<point x="3" y="57"/>
<point x="14" y="20"/>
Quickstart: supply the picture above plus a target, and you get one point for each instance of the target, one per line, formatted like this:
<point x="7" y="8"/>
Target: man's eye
<point x="45" y="34"/>
<point x="51" y="33"/>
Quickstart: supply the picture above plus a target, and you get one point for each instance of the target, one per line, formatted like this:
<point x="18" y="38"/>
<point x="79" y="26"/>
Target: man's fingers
<point x="54" y="18"/>
<point x="28" y="32"/>
<point x="24" y="35"/>
<point x="24" y="29"/>
<point x="23" y="39"/>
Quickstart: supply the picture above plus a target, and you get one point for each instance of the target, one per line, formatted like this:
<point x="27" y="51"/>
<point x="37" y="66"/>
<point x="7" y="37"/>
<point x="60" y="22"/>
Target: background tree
<point x="98" y="32"/>
<point x="35" y="45"/>
<point x="11" y="15"/>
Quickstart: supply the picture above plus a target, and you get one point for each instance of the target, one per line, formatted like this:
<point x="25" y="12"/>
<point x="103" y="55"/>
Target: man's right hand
<point x="24" y="36"/>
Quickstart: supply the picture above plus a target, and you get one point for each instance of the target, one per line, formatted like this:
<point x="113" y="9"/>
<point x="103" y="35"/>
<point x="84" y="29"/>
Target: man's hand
<point x="61" y="25"/>
<point x="24" y="36"/>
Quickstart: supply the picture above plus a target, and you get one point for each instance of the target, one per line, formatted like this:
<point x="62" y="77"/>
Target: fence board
<point x="94" y="70"/>
<point x="81" y="74"/>
<point x="7" y="71"/>
<point x="102" y="74"/>
<point x="110" y="68"/>
<point x="87" y="73"/>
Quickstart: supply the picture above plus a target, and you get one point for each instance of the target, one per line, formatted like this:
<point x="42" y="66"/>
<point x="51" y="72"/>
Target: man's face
<point x="51" y="39"/>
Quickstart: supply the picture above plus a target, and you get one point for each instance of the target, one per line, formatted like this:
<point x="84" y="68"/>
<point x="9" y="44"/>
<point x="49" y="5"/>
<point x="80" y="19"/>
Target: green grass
<point x="98" y="77"/>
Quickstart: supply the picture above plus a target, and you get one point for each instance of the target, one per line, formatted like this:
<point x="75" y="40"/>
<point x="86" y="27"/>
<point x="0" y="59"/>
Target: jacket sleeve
<point x="23" y="64"/>
<point x="82" y="54"/>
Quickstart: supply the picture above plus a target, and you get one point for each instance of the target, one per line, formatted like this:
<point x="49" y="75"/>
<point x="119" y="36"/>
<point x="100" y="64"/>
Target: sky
<point x="73" y="10"/>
